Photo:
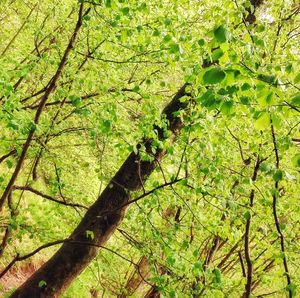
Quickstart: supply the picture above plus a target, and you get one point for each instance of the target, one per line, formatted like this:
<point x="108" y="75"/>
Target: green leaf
<point x="83" y="111"/>
<point x="42" y="284"/>
<point x="245" y="100"/>
<point x="171" y="261"/>
<point x="142" y="7"/>
<point x="13" y="124"/>
<point x="75" y="100"/>
<point x="9" y="164"/>
<point x="220" y="34"/>
<point x="13" y="225"/>
<point x="125" y="11"/>
<point x="245" y="87"/>
<point x="265" y="167"/>
<point x="172" y="294"/>
<point x="227" y="107"/>
<point x="196" y="253"/>
<point x="156" y="32"/>
<point x="278" y="175"/>
<point x="247" y="215"/>
<point x="185" y="245"/>
<point x="201" y="42"/>
<point x="260" y="28"/>
<point x="89" y="234"/>
<point x="86" y="18"/>
<point x="296" y="99"/>
<point x="167" y="38"/>
<point x="105" y="126"/>
<point x="262" y="122"/>
<point x="9" y="89"/>
<point x="167" y="22"/>
<point x="175" y="48"/>
<point x="259" y="42"/>
<point x="292" y="287"/>
<point x="276" y="121"/>
<point x="217" y="276"/>
<point x="214" y="76"/>
<point x="289" y="68"/>
<point x="136" y="88"/>
<point x="197" y="269"/>
<point x="107" y="3"/>
<point x="270" y="79"/>
<point x="208" y="99"/>
<point x="296" y="160"/>
<point x="282" y="226"/>
<point x="217" y="53"/>
<point x="297" y="79"/>
<point x="86" y="164"/>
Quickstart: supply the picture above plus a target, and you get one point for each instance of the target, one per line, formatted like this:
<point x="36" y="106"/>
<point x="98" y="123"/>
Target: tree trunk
<point x="102" y="218"/>
<point x="152" y="293"/>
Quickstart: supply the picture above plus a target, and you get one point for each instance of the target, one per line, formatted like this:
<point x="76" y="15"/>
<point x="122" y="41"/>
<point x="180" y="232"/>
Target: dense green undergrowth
<point x="237" y="159"/>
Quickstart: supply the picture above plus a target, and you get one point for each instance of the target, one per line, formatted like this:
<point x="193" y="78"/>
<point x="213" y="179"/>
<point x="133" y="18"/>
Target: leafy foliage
<point x="128" y="60"/>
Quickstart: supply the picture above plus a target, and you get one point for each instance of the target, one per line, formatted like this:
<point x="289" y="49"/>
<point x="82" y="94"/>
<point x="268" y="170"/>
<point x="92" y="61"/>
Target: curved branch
<point x="45" y="196"/>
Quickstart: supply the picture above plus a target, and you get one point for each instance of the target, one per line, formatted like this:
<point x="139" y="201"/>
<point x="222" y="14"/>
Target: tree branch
<point x="45" y="196"/>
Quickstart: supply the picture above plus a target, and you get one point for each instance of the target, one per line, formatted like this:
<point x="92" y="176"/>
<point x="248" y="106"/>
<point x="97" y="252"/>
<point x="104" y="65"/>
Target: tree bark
<point x="103" y="216"/>
<point x="152" y="293"/>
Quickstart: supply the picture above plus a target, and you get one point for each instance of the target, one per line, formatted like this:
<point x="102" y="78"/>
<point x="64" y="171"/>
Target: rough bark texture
<point x="152" y="293"/>
<point x="101" y="219"/>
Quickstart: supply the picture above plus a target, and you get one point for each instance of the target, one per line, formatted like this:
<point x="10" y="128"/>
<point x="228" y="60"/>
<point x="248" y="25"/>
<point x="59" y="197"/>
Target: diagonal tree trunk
<point x="152" y="293"/>
<point x="103" y="216"/>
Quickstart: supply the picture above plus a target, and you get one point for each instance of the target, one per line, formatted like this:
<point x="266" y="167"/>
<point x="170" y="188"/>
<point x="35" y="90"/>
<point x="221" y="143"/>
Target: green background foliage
<point x="129" y="59"/>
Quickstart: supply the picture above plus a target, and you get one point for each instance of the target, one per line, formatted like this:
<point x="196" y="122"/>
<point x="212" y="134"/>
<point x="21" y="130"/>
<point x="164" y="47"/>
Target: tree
<point x="219" y="214"/>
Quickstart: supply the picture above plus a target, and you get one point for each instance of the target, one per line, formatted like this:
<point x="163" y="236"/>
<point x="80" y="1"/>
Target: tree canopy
<point x="149" y="149"/>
